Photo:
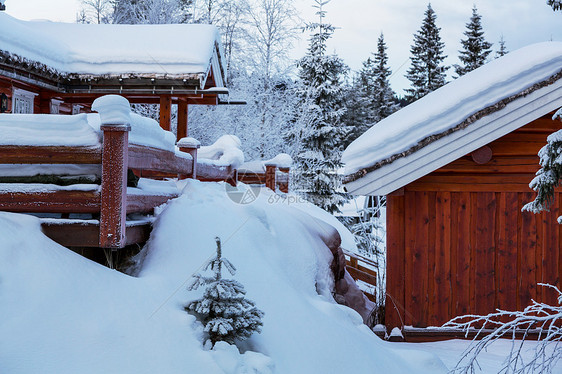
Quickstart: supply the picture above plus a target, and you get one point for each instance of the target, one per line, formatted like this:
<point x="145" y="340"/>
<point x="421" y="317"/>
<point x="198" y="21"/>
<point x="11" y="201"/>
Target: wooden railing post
<point x="270" y="176"/>
<point x="284" y="183"/>
<point x="115" y="118"/>
<point x="190" y="145"/>
<point x="114" y="185"/>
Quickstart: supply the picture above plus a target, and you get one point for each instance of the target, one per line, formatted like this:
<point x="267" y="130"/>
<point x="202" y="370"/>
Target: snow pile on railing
<point x="282" y="161"/>
<point x="47" y="130"/>
<point x="226" y="151"/>
<point x="82" y="130"/>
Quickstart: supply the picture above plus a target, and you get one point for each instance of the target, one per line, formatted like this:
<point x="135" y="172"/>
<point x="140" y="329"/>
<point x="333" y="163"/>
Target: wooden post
<point x="190" y="145"/>
<point x="284" y="183"/>
<point x="165" y="111"/>
<point x="270" y="171"/>
<point x="114" y="185"/>
<point x="115" y="119"/>
<point x="233" y="179"/>
<point x="182" y="119"/>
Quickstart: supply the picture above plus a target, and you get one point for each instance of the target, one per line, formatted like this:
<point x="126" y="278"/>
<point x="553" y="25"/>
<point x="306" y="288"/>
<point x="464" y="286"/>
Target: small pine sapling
<point x="224" y="311"/>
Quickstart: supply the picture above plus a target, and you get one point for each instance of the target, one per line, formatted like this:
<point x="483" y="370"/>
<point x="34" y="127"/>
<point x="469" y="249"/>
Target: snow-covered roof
<point x="109" y="50"/>
<point x="456" y="119"/>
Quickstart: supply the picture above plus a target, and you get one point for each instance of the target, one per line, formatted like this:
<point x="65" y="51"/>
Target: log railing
<point x="273" y="177"/>
<point x="362" y="269"/>
<point x="111" y="201"/>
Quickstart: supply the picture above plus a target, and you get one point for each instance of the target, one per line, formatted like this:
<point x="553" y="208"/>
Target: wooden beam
<point x="10" y="154"/>
<point x="182" y="129"/>
<point x="50" y="202"/>
<point x="153" y="159"/>
<point x="86" y="234"/>
<point x="165" y="111"/>
<point x="114" y="185"/>
<point x="146" y="203"/>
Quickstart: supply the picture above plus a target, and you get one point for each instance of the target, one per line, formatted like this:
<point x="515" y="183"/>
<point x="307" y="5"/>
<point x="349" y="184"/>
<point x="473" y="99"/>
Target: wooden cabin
<point x="61" y="68"/>
<point x="455" y="167"/>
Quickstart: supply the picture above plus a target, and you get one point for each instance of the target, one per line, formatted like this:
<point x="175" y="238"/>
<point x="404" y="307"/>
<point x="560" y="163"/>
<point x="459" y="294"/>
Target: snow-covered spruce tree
<point x="475" y="49"/>
<point x="151" y="11"/>
<point x="503" y="49"/>
<point x="555" y="4"/>
<point x="371" y="98"/>
<point x="384" y="98"/>
<point x="224" y="311"/>
<point x="548" y="176"/>
<point x="322" y="104"/>
<point x="427" y="73"/>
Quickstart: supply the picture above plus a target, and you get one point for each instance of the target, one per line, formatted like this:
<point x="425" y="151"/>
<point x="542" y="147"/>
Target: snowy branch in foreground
<point x="544" y="318"/>
<point x="549" y="175"/>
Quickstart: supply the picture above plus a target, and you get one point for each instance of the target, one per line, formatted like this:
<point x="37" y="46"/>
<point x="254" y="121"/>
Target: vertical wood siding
<point x="458" y="242"/>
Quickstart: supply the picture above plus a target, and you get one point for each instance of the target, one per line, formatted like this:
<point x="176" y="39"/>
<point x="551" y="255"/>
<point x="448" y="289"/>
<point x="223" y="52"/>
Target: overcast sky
<point x="360" y="22"/>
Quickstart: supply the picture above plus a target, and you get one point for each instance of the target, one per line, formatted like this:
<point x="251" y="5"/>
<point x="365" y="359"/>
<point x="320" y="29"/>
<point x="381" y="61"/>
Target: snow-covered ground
<point x="61" y="313"/>
<point x="490" y="361"/>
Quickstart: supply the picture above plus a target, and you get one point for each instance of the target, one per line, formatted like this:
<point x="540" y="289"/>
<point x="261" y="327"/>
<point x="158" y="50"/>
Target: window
<point x="22" y="101"/>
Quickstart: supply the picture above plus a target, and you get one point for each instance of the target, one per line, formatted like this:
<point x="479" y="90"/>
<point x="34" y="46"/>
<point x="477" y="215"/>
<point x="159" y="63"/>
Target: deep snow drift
<point x="60" y="313"/>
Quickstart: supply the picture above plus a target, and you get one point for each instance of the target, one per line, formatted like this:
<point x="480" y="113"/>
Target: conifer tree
<point x="225" y="312"/>
<point x="427" y="72"/>
<point x="503" y="49"/>
<point x="475" y="49"/>
<point x="322" y="106"/>
<point x="371" y="99"/>
<point x="384" y="98"/>
<point x="555" y="4"/>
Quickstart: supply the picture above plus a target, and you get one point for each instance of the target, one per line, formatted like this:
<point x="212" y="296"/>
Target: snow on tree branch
<point x="548" y="176"/>
<point x="224" y="311"/>
<point x="537" y="317"/>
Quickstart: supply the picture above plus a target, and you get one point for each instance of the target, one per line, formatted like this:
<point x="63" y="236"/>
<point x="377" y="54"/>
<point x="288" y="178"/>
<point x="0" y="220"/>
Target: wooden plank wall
<point x="458" y="242"/>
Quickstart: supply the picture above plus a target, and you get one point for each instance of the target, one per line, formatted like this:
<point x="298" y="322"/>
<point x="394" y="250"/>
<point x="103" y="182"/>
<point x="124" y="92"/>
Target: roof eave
<point x="404" y="170"/>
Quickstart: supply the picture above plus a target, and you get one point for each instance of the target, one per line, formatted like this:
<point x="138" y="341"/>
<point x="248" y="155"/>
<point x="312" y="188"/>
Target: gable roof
<point x="67" y="52"/>
<point x="456" y="119"/>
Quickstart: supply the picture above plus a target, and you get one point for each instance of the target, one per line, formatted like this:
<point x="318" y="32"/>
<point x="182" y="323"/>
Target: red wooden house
<point x="455" y="167"/>
<point x="52" y="67"/>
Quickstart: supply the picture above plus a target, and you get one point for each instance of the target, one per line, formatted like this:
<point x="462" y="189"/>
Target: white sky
<point x="360" y="22"/>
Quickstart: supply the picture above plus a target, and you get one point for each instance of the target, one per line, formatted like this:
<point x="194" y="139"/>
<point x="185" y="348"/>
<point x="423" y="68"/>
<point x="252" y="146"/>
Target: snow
<point x="226" y="151"/>
<point x="44" y="187"/>
<point x="490" y="360"/>
<point x="448" y="106"/>
<point x="189" y="143"/>
<point x="282" y="160"/>
<point x="81" y="130"/>
<point x="113" y="110"/>
<point x="110" y="49"/>
<point x="47" y="130"/>
<point x="61" y="313"/>
<point x="26" y="170"/>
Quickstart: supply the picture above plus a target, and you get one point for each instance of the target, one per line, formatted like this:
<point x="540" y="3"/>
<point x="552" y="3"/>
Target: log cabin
<point x="61" y="69"/>
<point x="52" y="67"/>
<point x="455" y="168"/>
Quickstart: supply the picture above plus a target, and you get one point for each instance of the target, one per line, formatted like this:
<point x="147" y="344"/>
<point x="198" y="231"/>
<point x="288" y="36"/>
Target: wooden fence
<point x="362" y="269"/>
<point x="273" y="177"/>
<point x="110" y="202"/>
